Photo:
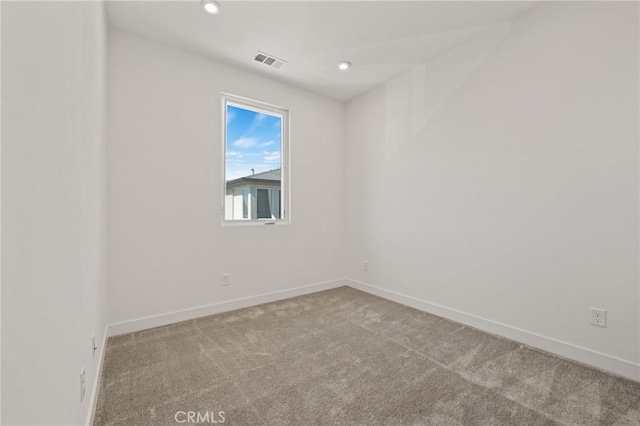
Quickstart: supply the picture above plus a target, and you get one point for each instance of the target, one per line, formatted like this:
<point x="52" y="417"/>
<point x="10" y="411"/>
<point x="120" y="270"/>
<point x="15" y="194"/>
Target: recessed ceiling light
<point x="211" y="6"/>
<point x="344" y="65"/>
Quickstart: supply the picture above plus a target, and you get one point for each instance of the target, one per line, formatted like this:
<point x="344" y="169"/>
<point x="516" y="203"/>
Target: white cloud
<point x="230" y="116"/>
<point x="271" y="156"/>
<point x="259" y="118"/>
<point x="257" y="121"/>
<point x="265" y="144"/>
<point x="234" y="154"/>
<point x="245" y="142"/>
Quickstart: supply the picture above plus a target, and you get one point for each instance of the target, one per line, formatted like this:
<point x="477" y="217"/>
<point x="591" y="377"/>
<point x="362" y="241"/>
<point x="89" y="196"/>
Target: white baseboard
<point x="96" y="382"/>
<point x="216" y="308"/>
<point x="606" y="362"/>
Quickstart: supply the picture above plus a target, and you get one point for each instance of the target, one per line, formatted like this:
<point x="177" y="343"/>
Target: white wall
<point x="499" y="182"/>
<point x="167" y="248"/>
<point x="54" y="213"/>
<point x="0" y="217"/>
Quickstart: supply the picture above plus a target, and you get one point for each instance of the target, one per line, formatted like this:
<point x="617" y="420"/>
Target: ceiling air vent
<point x="269" y="60"/>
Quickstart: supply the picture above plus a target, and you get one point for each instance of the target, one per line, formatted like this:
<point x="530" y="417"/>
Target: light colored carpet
<point x="344" y="357"/>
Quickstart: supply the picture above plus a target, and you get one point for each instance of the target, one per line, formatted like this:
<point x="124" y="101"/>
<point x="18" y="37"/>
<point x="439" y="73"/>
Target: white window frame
<point x="260" y="107"/>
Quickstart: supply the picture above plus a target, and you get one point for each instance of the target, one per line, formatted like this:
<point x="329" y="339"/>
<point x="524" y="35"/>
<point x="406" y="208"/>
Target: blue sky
<point x="253" y="141"/>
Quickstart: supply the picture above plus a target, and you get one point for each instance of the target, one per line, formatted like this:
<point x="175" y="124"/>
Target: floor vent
<point x="269" y="60"/>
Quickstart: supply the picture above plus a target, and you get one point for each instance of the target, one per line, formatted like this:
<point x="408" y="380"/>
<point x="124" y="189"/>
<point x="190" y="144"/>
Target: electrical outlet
<point x="226" y="279"/>
<point x="365" y="266"/>
<point x="598" y="317"/>
<point x="93" y="344"/>
<point x="83" y="384"/>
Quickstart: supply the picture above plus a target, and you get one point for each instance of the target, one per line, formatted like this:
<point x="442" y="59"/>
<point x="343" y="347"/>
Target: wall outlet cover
<point x="598" y="317"/>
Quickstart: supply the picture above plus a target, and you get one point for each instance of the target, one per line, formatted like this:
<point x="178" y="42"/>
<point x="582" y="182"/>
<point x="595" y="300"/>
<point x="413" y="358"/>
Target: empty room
<point x="320" y="213"/>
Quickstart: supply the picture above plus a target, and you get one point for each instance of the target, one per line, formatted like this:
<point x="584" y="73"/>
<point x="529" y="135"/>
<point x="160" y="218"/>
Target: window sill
<point x="233" y="223"/>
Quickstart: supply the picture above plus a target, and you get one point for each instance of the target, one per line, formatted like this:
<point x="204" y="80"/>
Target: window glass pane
<point x="264" y="210"/>
<point x="245" y="203"/>
<point x="253" y="159"/>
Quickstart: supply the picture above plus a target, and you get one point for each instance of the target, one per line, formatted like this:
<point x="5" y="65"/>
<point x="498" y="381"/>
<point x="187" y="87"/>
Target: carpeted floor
<point x="344" y="357"/>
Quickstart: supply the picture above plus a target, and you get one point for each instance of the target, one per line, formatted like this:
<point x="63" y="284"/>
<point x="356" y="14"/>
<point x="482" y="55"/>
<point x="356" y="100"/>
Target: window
<point x="264" y="209"/>
<point x="255" y="162"/>
<point x="245" y="203"/>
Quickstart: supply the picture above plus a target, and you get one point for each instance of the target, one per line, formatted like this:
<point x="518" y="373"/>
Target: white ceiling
<point x="381" y="38"/>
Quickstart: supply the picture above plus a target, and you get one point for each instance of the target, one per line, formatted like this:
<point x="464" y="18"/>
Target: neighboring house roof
<point x="272" y="176"/>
